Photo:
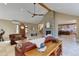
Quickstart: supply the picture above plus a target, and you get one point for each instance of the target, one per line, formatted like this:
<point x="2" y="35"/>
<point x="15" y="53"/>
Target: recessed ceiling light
<point x="5" y="3"/>
<point x="22" y="9"/>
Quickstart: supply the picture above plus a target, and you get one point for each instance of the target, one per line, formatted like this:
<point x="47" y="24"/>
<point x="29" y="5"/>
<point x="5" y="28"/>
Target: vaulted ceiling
<point x="18" y="11"/>
<point x="67" y="8"/>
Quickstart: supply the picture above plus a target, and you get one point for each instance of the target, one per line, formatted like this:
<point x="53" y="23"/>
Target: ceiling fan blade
<point x="39" y="14"/>
<point x="33" y="15"/>
<point x="30" y="12"/>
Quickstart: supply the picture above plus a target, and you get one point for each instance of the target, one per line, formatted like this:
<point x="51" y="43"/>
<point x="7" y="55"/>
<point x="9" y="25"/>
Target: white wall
<point x="30" y="28"/>
<point x="65" y="19"/>
<point x="59" y="19"/>
<point x="49" y="17"/>
<point x="9" y="28"/>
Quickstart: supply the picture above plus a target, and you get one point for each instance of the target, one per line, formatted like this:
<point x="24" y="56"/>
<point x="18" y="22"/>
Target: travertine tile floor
<point x="6" y="49"/>
<point x="69" y="47"/>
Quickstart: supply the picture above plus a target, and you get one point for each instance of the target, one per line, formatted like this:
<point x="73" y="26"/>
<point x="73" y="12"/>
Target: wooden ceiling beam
<point x="44" y="6"/>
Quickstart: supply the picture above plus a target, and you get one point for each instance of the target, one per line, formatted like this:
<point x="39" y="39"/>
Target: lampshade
<point x="22" y="27"/>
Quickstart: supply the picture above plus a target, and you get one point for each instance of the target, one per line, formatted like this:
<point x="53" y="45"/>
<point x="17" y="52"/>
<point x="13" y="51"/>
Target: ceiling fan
<point x="33" y="13"/>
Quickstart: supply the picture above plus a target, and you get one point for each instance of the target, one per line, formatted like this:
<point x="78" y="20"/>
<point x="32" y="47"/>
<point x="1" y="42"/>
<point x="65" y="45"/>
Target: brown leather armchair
<point x="15" y="37"/>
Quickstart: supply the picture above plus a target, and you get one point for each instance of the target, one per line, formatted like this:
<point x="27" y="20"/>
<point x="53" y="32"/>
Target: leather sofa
<point x="25" y="47"/>
<point x="29" y="46"/>
<point x="64" y="32"/>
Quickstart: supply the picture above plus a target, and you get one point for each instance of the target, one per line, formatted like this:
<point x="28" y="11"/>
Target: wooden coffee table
<point x="53" y="49"/>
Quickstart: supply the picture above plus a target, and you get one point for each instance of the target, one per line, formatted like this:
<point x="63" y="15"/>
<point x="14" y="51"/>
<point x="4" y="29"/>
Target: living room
<point x="36" y="21"/>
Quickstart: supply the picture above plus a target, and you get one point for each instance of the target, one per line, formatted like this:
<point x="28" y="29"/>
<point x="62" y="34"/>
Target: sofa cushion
<point x="27" y="46"/>
<point x="49" y="38"/>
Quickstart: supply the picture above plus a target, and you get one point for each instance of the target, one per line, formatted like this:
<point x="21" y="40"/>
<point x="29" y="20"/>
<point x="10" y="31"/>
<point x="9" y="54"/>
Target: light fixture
<point x="5" y="3"/>
<point x="26" y="26"/>
<point x="34" y="11"/>
<point x="22" y="27"/>
<point x="48" y="25"/>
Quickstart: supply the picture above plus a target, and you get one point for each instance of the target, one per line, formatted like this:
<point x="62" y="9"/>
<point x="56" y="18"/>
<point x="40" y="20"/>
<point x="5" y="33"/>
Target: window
<point x="17" y="28"/>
